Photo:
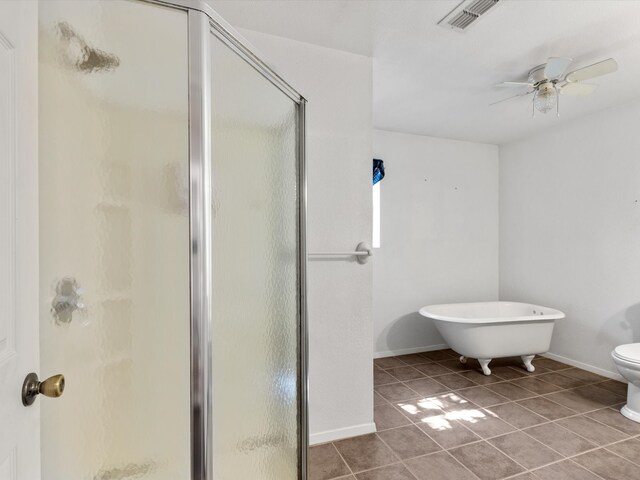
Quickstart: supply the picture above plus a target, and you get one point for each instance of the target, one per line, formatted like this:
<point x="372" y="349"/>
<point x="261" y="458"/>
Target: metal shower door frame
<point x="204" y="22"/>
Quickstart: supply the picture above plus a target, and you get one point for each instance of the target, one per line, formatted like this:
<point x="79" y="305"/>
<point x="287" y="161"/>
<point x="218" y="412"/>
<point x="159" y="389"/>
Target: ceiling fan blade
<point x="514" y="96"/>
<point x="577" y="89"/>
<point x="556" y="66"/>
<point x="514" y="84"/>
<point x="592" y="71"/>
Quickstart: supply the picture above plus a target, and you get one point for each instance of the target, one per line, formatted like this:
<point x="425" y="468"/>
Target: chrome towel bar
<point x="362" y="253"/>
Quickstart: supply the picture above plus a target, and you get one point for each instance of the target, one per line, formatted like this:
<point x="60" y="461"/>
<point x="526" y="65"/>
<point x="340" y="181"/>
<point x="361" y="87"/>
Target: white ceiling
<point x="430" y="80"/>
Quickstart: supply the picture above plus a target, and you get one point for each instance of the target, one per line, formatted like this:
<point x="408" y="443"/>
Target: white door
<point x="19" y="426"/>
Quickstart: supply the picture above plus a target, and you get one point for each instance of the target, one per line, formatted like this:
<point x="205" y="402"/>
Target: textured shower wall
<point x="338" y="86"/>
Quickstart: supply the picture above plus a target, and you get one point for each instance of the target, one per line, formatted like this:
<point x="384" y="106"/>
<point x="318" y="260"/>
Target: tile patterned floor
<point x="440" y="420"/>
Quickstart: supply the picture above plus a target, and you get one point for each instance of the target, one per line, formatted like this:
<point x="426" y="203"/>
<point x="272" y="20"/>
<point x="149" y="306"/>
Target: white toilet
<point x="627" y="360"/>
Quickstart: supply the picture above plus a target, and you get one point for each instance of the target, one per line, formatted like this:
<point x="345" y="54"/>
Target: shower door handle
<point x="52" y="387"/>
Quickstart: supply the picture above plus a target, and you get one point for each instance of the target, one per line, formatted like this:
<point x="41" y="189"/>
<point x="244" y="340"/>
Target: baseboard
<point x="340" y="433"/>
<point x="407" y="351"/>
<point x="585" y="366"/>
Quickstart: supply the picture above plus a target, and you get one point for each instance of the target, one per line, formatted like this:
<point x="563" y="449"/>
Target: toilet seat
<point x="629" y="352"/>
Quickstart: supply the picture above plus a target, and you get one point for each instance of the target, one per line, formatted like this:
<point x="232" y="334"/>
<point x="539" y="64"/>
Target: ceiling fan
<point x="548" y="80"/>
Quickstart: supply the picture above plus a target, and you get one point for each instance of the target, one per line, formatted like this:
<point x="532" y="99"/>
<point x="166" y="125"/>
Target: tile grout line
<point x="563" y="457"/>
<point x="620" y="456"/>
<point x="373" y="469"/>
<point x="514" y="382"/>
<point x="449" y="390"/>
<point x="461" y="424"/>
<point x="388" y="446"/>
<point x="516" y="429"/>
<point x="442" y="449"/>
<point x="524" y="469"/>
<point x="461" y="393"/>
<point x="571" y="457"/>
<point x="461" y="464"/>
<point x="500" y="379"/>
<point x="397" y="455"/>
<point x="548" y="420"/>
<point x="604" y="424"/>
<point x="457" y="423"/>
<point x="343" y="459"/>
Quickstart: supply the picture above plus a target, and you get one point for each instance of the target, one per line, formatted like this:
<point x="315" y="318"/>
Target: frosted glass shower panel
<point x="114" y="240"/>
<point x="255" y="273"/>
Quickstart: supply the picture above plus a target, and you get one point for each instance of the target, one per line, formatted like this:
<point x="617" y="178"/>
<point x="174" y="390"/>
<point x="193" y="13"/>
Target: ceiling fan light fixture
<point x="545" y="98"/>
<point x="547" y="81"/>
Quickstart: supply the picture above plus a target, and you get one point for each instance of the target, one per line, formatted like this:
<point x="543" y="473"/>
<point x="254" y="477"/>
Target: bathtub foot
<point x="484" y="363"/>
<point x="463" y="359"/>
<point x="526" y="359"/>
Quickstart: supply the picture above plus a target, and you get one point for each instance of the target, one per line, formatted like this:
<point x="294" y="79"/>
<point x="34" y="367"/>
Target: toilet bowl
<point x="627" y="360"/>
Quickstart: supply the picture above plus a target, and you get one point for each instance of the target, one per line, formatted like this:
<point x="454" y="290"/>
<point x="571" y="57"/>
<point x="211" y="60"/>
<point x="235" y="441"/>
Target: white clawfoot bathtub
<point x="488" y="330"/>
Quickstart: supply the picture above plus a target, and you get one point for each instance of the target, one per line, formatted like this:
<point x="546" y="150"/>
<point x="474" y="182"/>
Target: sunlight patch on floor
<point x="439" y="411"/>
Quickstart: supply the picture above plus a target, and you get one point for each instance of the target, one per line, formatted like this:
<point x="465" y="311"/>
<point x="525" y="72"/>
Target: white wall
<point x="338" y="86"/>
<point x="570" y="231"/>
<point x="439" y="234"/>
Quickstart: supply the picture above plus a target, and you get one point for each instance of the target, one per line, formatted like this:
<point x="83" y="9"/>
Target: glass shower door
<point x="114" y="240"/>
<point x="122" y="312"/>
<point x="256" y="303"/>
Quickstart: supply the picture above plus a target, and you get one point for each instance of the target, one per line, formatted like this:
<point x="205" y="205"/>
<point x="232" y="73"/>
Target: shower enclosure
<point x="172" y="248"/>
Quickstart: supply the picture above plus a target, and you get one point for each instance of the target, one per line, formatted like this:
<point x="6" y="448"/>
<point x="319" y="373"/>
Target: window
<point x="376" y="215"/>
<point x="378" y="175"/>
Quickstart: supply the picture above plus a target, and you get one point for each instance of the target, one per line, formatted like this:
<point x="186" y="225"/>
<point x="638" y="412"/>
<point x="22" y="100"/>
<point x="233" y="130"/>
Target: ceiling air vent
<point x="466" y="13"/>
